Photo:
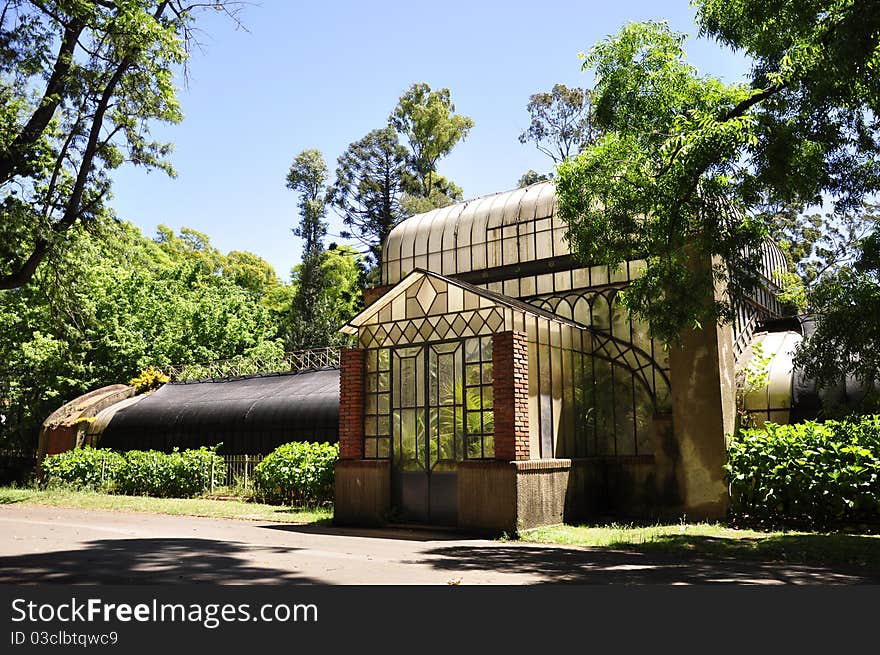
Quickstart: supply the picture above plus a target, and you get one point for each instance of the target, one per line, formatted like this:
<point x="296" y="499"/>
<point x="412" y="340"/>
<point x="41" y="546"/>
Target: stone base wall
<point x="497" y="497"/>
<point x="362" y="492"/>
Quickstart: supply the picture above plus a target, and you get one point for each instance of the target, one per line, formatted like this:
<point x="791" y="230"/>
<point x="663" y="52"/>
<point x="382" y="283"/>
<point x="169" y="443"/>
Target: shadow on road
<point x="400" y="533"/>
<point x="147" y="561"/>
<point x="604" y="566"/>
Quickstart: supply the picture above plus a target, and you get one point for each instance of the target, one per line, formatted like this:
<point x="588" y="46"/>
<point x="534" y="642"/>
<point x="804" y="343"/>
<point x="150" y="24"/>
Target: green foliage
<point x="428" y="121"/>
<point x="113" y="303"/>
<point x="811" y="473"/>
<point x="82" y="468"/>
<point x="533" y="177"/>
<point x="135" y="472"/>
<point x="297" y="473"/>
<point x="560" y="122"/>
<point x="149" y="379"/>
<point x="655" y="184"/>
<point x="686" y="165"/>
<point x="174" y="475"/>
<point x="81" y="85"/>
<point x="372" y="177"/>
<point x="750" y="379"/>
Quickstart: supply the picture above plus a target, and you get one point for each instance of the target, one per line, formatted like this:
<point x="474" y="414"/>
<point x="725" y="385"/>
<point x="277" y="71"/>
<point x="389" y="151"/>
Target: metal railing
<point x="301" y="360"/>
<point x="240" y="470"/>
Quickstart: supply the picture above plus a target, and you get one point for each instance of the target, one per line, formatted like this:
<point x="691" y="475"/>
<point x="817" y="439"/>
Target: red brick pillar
<point x="351" y="403"/>
<point x="510" y="386"/>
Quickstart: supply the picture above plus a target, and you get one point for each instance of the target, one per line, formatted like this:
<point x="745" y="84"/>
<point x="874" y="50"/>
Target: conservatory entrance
<point x="441" y="414"/>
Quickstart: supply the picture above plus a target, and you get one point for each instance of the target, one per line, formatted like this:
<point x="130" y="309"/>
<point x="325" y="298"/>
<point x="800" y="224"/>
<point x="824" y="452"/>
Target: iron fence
<point x="240" y="470"/>
<point x="300" y="360"/>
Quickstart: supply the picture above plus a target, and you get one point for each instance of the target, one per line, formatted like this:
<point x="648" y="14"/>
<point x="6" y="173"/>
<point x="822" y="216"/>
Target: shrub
<point x="83" y="468"/>
<point x="176" y="474"/>
<point x="136" y="472"/>
<point x="297" y="473"/>
<point x="809" y="473"/>
<point x="149" y="380"/>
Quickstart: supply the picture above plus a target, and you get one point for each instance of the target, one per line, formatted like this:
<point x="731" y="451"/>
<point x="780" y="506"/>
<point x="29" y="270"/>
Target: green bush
<point x="137" y="472"/>
<point x="298" y="473"/>
<point x="83" y="468"/>
<point x="818" y="474"/>
<point x="176" y="474"/>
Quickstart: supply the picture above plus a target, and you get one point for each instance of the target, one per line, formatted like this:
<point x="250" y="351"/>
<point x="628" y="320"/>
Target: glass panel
<point x="487" y="397"/>
<point x="603" y="408"/>
<point x="486" y="349"/>
<point x="624" y="412"/>
<point x="601" y="317"/>
<point x="488" y="422"/>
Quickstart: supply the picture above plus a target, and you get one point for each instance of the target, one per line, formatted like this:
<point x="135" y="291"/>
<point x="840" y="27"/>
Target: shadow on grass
<point x="148" y="561"/>
<point x="835" y="549"/>
<point x="10" y="499"/>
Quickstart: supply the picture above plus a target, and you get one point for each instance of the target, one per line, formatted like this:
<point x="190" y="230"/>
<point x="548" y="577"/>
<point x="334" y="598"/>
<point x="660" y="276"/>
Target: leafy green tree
<point x="444" y="192"/>
<point x="308" y="177"/>
<point x="656" y="183"/>
<point x="338" y="300"/>
<point x="532" y="177"/>
<point x="846" y="302"/>
<point x="683" y="160"/>
<point x="432" y="128"/>
<point x="80" y="83"/>
<point x="560" y="122"/>
<point x="112" y="304"/>
<point x="372" y="177"/>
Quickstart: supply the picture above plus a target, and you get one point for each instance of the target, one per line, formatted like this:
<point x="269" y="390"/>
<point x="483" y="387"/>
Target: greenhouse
<point x="498" y="384"/>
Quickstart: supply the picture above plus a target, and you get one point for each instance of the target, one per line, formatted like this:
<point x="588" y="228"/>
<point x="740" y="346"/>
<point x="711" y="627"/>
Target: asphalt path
<point x="47" y="544"/>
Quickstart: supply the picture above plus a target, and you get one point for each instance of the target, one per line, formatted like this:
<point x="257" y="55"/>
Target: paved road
<point x="43" y="544"/>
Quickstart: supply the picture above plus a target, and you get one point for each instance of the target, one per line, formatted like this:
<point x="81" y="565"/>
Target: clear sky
<point x="323" y="74"/>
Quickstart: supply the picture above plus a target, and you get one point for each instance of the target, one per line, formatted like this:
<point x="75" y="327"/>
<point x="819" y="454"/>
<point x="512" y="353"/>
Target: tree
<point x="338" y="299"/>
<point x="80" y="84"/>
<point x="657" y="184"/>
<point x="847" y="337"/>
<point x="113" y="303"/>
<point x="684" y="160"/>
<point x="432" y="128"/>
<point x="308" y="176"/>
<point x="372" y="176"/>
<point x="531" y="177"/>
<point x="561" y="124"/>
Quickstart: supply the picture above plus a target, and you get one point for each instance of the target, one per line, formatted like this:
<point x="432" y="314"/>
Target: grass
<point x="716" y="540"/>
<point x="226" y="509"/>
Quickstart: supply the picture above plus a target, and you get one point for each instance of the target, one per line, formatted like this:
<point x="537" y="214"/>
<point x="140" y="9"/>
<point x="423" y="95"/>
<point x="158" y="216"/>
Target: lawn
<point x="716" y="540"/>
<point x="226" y="509"/>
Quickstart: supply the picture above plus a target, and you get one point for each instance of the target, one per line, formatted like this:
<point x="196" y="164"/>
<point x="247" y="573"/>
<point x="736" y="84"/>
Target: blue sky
<point x="323" y="75"/>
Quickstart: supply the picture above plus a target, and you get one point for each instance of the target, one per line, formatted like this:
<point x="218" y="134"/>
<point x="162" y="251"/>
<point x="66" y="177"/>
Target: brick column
<point x="351" y="403"/>
<point x="510" y="386"/>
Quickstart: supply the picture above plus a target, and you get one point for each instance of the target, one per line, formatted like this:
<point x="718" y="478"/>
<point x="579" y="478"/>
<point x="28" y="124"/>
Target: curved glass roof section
<point x="497" y="230"/>
<point x="503" y="229"/>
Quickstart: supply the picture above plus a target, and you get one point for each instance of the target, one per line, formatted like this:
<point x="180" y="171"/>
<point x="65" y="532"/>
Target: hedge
<point x="815" y="474"/>
<point x="300" y="473"/>
<point x="136" y="472"/>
